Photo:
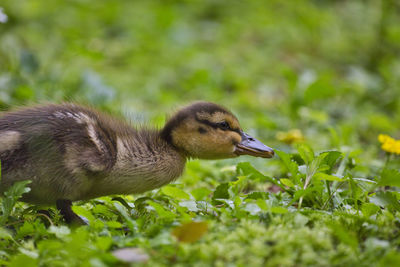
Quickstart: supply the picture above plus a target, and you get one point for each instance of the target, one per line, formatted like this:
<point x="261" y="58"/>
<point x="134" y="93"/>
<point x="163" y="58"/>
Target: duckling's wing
<point x="60" y="148"/>
<point x="76" y="134"/>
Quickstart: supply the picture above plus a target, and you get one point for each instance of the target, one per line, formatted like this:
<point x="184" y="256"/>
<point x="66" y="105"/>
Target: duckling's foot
<point x="70" y="217"/>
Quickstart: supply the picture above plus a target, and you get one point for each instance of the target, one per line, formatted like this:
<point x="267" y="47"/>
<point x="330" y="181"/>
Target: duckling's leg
<point x="70" y="217"/>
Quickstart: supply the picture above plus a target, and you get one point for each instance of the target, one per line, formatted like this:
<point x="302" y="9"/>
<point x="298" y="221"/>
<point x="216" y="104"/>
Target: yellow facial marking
<point x="217" y="117"/>
<point x="211" y="143"/>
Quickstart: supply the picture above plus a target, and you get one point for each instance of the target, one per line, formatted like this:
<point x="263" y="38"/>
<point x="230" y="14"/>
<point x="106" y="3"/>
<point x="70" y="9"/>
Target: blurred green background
<point x="328" y="68"/>
<point x="322" y="72"/>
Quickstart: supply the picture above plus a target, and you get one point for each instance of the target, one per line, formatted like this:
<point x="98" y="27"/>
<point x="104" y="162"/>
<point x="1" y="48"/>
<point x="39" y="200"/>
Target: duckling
<point x="71" y="152"/>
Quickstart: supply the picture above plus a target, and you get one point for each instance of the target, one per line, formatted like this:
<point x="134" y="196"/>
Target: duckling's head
<point x="208" y="131"/>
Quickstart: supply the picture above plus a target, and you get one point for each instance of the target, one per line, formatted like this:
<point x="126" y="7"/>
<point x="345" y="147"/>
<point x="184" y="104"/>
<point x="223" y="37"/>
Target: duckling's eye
<point x="223" y="125"/>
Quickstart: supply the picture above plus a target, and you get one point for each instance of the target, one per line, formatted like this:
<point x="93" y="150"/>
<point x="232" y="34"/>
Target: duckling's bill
<point x="253" y="147"/>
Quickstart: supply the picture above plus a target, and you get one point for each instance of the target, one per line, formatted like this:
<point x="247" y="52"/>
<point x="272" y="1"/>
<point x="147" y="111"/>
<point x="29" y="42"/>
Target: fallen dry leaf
<point x="131" y="255"/>
<point x="190" y="232"/>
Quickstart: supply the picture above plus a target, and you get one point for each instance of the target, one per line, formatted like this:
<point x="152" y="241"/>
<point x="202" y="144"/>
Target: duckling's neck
<point x="144" y="161"/>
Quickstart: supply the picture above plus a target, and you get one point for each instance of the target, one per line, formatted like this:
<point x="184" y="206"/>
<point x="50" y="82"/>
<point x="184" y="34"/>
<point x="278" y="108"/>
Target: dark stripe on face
<point x="188" y="112"/>
<point x="216" y="126"/>
<point x="202" y="130"/>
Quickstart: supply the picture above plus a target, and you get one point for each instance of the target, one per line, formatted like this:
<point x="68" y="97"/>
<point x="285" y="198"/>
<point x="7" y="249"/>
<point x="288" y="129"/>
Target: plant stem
<point x="328" y="187"/>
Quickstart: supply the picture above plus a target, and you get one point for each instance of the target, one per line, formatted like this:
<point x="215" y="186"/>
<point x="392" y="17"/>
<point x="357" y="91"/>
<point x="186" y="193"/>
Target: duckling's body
<point x="72" y="152"/>
<point x="75" y="153"/>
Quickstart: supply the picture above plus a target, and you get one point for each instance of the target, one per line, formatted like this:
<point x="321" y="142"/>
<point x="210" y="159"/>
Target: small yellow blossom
<point x="389" y="144"/>
<point x="290" y="137"/>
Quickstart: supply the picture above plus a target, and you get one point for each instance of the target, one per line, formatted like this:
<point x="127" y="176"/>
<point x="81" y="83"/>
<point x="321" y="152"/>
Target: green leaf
<point x="26" y="229"/>
<point x="306" y="153"/>
<point x="5" y="234"/>
<point x="262" y="204"/>
<point x="221" y="192"/>
<point x="124" y="213"/>
<point x="81" y="211"/>
<point x="287" y="182"/>
<point x="237" y="201"/>
<point x="175" y="192"/>
<point x="279" y="210"/>
<point x="122" y="201"/>
<point x="23" y="260"/>
<point x="245" y="168"/>
<point x="385" y="199"/>
<point x="355" y="190"/>
<point x="257" y="195"/>
<point x="200" y="193"/>
<point x="302" y="193"/>
<point x="292" y="166"/>
<point x="18" y="189"/>
<point x="327" y="177"/>
<point x="238" y="185"/>
<point x="389" y="177"/>
<point x="161" y="211"/>
<point x="114" y="224"/>
<point x="190" y="205"/>
<point x="11" y="197"/>
<point x="369" y="209"/>
<point x="331" y="158"/>
<point x="317" y="165"/>
<point x="59" y="231"/>
<point x="103" y="242"/>
<point x="252" y="208"/>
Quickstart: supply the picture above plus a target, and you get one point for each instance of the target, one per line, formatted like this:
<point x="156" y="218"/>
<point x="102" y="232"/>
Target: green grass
<point x="328" y="68"/>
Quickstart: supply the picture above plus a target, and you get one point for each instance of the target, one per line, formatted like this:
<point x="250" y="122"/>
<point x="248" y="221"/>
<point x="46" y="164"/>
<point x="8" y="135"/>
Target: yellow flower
<point x="389" y="144"/>
<point x="290" y="137"/>
<point x="383" y="138"/>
